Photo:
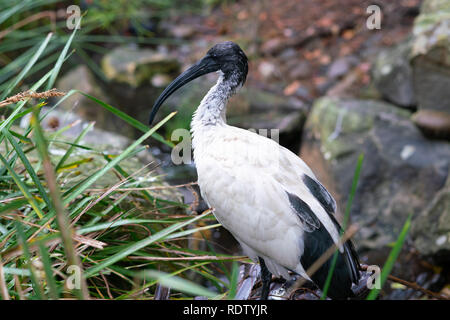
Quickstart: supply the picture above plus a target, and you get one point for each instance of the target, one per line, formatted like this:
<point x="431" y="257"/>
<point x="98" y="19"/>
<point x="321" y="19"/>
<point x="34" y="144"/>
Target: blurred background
<point x="337" y="78"/>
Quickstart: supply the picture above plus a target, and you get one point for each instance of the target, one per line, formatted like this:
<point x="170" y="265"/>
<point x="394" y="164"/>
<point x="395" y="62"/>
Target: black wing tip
<point x="320" y="193"/>
<point x="304" y="212"/>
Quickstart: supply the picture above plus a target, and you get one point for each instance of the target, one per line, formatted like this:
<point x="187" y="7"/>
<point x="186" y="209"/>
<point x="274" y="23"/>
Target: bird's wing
<point x="317" y="239"/>
<point x="309" y="220"/>
<point x="283" y="170"/>
<point x="320" y="193"/>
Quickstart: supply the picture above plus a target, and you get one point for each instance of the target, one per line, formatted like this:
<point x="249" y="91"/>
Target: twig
<point x="44" y="14"/>
<point x="107" y="285"/>
<point x="107" y="191"/>
<point x="3" y="289"/>
<point x="330" y="251"/>
<point x="291" y="296"/>
<point x="196" y="258"/>
<point x="79" y="238"/>
<point x="145" y="188"/>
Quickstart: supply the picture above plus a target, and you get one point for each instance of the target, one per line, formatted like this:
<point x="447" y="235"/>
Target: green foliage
<point x="344" y="224"/>
<point x="387" y="268"/>
<point x="24" y="23"/>
<point x="53" y="217"/>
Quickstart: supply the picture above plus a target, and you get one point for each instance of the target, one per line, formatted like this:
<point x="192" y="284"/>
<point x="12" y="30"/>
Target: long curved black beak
<point x="204" y="66"/>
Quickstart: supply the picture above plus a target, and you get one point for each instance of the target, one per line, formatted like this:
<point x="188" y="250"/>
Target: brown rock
<point x="433" y="123"/>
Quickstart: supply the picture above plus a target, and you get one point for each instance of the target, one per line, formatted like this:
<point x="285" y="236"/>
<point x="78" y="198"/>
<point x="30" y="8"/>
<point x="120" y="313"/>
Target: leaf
<point x="27" y="67"/>
<point x="61" y="58"/>
<point x="179" y="284"/>
<point x="78" y="189"/>
<point x="344" y="224"/>
<point x="139" y="245"/>
<point x="393" y="255"/>
<point x="130" y="120"/>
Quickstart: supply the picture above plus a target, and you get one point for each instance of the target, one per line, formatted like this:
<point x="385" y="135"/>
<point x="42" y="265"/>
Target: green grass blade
<point x="72" y="147"/>
<point x="23" y="188"/>
<point x="55" y="194"/>
<point x="9" y="120"/>
<point x="387" y="268"/>
<point x="233" y="281"/>
<point x="5" y="15"/>
<point x="26" y="252"/>
<point x="130" y="120"/>
<point x="51" y="283"/>
<point x="22" y="138"/>
<point x="61" y="58"/>
<point x="344" y="224"/>
<point x="152" y="283"/>
<point x="29" y="168"/>
<point x="179" y="284"/>
<point x="13" y="205"/>
<point x="27" y="67"/>
<point x="72" y="193"/>
<point x="139" y="245"/>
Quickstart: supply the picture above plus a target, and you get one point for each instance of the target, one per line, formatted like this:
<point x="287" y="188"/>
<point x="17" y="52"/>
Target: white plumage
<point x="244" y="177"/>
<point x="261" y="192"/>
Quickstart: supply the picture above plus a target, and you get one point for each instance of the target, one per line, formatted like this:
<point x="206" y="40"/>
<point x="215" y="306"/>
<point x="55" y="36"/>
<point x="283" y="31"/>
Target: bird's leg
<point x="266" y="277"/>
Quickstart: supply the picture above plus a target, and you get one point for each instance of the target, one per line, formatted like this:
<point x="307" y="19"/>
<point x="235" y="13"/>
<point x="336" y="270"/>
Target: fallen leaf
<point x="290" y="89"/>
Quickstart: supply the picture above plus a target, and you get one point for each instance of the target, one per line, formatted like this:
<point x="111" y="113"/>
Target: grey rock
<point x="101" y="143"/>
<point x="341" y="66"/>
<point x="135" y="66"/>
<point x="433" y="123"/>
<point x="300" y="70"/>
<point x="402" y="170"/>
<point x="392" y="75"/>
<point x="82" y="79"/>
<point x="430" y="55"/>
<point x="431" y="230"/>
<point x="182" y="31"/>
<point x="289" y="53"/>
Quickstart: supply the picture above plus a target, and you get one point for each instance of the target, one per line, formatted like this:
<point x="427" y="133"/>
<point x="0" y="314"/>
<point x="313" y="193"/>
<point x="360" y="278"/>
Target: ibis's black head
<point x="227" y="57"/>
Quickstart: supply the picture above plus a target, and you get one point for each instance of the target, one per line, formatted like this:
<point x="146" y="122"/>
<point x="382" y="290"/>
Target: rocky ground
<point x="335" y="89"/>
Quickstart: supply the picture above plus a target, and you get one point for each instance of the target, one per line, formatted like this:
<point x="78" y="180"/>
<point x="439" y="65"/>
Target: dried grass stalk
<point x="31" y="94"/>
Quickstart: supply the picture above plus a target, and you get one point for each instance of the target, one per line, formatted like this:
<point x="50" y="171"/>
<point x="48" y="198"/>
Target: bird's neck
<point x="211" y="111"/>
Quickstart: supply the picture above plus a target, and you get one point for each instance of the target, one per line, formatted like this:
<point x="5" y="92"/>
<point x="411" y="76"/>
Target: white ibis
<point x="262" y="193"/>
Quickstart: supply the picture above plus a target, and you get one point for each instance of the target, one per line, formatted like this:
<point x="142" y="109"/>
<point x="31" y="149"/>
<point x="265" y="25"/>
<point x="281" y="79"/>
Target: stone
<point x="301" y="70"/>
<point x="182" y="31"/>
<point x="272" y="46"/>
<point x="433" y="123"/>
<point x="430" y="55"/>
<point x="82" y="79"/>
<point x="267" y="69"/>
<point x="341" y="66"/>
<point x="100" y="143"/>
<point x="431" y="230"/>
<point x="392" y="75"/>
<point x="402" y="170"/>
<point x="135" y="66"/>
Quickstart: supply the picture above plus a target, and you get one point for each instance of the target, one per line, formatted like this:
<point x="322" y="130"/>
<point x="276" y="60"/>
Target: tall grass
<point x="60" y="220"/>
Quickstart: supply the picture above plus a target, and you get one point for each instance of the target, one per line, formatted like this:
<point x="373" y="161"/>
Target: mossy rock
<point x="430" y="55"/>
<point x="135" y="66"/>
<point x="402" y="171"/>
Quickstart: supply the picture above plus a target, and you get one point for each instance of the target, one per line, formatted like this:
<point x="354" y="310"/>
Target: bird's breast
<point x="247" y="199"/>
